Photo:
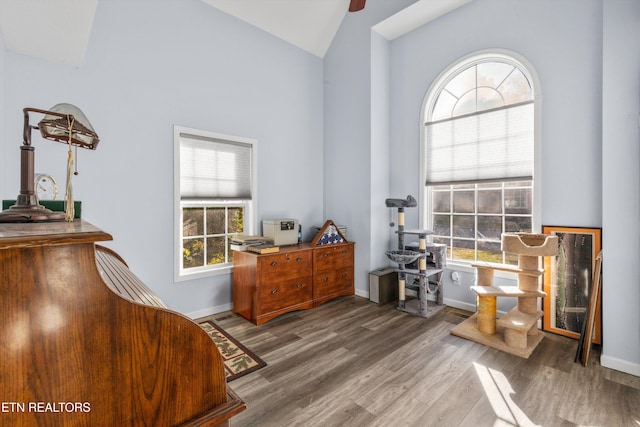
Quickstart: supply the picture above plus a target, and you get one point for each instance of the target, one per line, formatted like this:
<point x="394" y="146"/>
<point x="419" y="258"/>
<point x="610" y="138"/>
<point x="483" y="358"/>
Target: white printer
<point x="282" y="231"/>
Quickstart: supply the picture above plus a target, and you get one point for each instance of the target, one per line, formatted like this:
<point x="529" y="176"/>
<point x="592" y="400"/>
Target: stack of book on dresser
<point x="257" y="244"/>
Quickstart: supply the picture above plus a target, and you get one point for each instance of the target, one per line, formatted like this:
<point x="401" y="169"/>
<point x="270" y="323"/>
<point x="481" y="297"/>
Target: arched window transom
<point x="481" y="87"/>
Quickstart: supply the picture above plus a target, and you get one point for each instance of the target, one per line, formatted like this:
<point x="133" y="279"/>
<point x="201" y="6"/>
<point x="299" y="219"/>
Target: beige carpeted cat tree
<point x="517" y="331"/>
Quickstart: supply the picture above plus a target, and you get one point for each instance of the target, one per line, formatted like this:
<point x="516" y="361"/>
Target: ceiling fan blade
<point x="356" y="5"/>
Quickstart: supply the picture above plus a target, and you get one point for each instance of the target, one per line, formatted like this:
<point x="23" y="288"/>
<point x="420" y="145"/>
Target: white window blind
<point x="494" y="145"/>
<point x="214" y="169"/>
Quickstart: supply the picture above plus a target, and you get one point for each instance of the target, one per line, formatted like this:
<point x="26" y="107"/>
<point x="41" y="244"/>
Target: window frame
<point x="431" y="96"/>
<point x="249" y="206"/>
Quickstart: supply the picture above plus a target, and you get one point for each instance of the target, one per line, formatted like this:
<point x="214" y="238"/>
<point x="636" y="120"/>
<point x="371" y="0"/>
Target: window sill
<point x="464" y="267"/>
<point x="204" y="273"/>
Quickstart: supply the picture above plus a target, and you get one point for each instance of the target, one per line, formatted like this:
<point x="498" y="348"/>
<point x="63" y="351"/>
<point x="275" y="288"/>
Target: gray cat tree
<point x="424" y="278"/>
<point x="516" y="332"/>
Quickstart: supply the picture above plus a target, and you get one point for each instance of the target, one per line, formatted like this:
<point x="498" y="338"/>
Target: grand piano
<point x="85" y="342"/>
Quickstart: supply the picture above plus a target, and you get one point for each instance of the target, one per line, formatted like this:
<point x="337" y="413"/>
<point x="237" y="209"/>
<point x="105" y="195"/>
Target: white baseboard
<point x="361" y="293"/>
<point x="620" y="365"/>
<point x="459" y="304"/>
<point x="446" y="301"/>
<point x="209" y="311"/>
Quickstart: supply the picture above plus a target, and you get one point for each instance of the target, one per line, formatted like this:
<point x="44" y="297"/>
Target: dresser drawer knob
<point x="274" y="263"/>
<point x="344" y="274"/>
<point x="344" y="252"/>
<point x="298" y="285"/>
<point x="325" y="255"/>
<point x="325" y="279"/>
<point x="273" y="291"/>
<point x="299" y="259"/>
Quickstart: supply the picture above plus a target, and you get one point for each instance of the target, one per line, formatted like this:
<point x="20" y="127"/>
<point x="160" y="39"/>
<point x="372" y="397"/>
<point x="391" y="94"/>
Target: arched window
<point x="478" y="161"/>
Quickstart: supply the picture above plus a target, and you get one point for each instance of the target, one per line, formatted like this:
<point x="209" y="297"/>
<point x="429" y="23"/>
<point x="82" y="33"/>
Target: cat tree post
<point x="486" y="303"/>
<point x="487" y="314"/>
<point x="401" y="275"/>
<point x="528" y="282"/>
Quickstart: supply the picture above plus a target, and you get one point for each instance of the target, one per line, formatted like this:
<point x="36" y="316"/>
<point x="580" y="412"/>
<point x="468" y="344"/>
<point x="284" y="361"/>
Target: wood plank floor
<point x="350" y="362"/>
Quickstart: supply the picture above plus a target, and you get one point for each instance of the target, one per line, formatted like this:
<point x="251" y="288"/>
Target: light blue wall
<point x="621" y="186"/>
<point x="380" y="152"/>
<point x="355" y="181"/>
<point x="179" y="62"/>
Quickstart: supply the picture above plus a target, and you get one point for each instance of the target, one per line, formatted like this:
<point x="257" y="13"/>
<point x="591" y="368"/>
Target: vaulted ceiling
<point x="31" y="27"/>
<point x="307" y="24"/>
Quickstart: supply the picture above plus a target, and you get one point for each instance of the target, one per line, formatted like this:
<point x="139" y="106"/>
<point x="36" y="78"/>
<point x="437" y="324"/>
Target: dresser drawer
<point x="282" y="266"/>
<point x="278" y="295"/>
<point x="334" y="257"/>
<point x="333" y="282"/>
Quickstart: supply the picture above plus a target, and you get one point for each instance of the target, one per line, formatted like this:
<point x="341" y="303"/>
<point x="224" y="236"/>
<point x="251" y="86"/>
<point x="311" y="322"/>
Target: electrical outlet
<point x="455" y="277"/>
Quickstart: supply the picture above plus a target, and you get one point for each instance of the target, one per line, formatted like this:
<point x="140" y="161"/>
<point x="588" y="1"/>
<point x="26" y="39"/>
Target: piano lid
<point x="29" y="234"/>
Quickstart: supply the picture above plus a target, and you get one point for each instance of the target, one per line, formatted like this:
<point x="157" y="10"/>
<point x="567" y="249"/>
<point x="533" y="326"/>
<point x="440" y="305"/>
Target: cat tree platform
<point x="469" y="330"/>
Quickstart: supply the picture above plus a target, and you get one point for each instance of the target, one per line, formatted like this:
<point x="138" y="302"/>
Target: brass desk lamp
<point x="64" y="123"/>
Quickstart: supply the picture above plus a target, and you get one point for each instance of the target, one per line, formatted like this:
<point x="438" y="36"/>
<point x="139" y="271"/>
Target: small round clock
<point x="46" y="187"/>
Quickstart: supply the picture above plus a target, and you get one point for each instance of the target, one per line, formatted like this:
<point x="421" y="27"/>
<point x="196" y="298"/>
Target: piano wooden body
<point x="85" y="342"/>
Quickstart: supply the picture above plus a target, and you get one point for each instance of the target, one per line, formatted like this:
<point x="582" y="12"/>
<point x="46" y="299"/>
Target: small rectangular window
<point x="215" y="193"/>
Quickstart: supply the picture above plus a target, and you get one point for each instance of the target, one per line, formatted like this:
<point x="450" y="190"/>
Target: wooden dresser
<point x="332" y="272"/>
<point x="84" y="342"/>
<point x="298" y="277"/>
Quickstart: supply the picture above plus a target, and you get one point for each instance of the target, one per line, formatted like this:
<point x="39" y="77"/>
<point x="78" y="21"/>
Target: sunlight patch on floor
<point x="498" y="392"/>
